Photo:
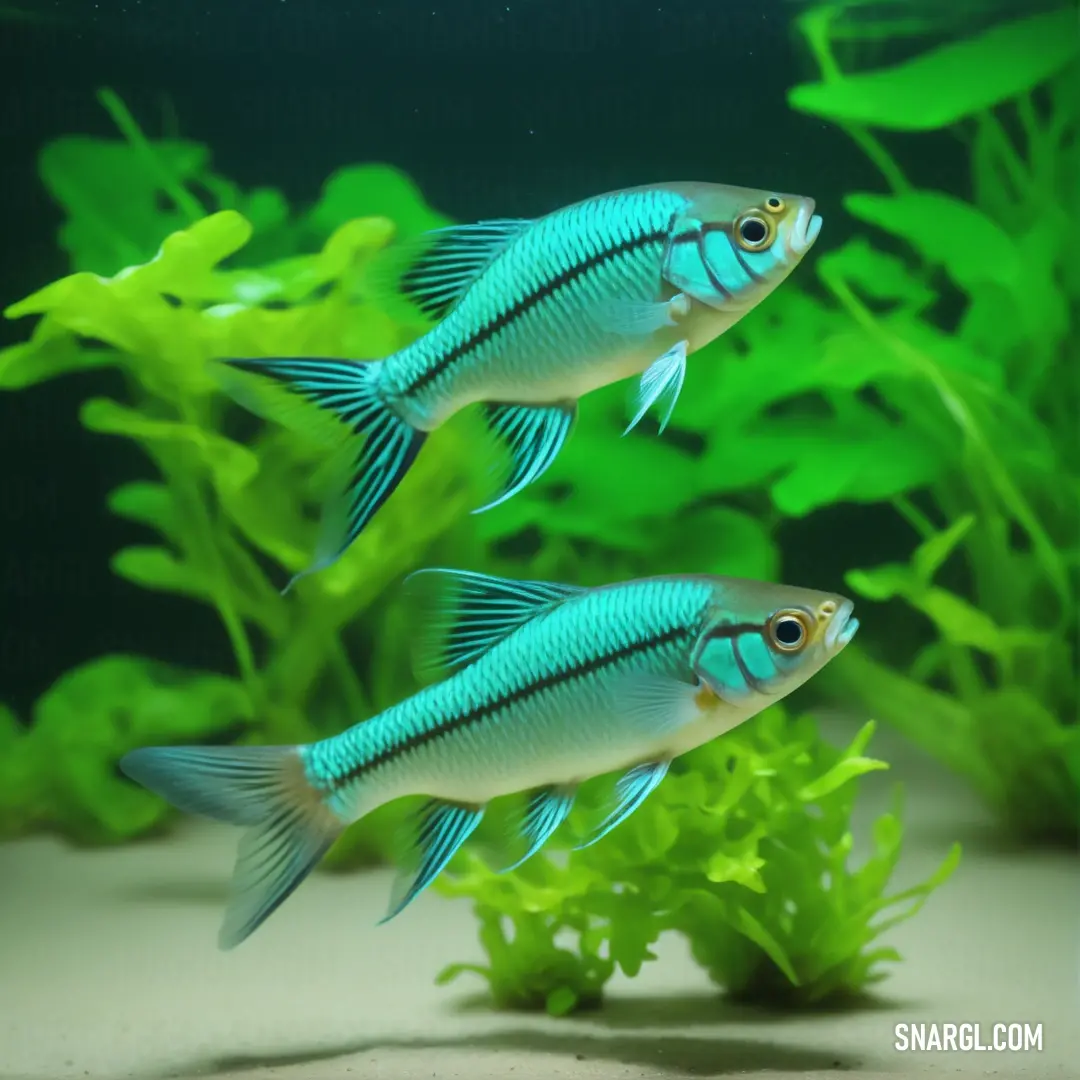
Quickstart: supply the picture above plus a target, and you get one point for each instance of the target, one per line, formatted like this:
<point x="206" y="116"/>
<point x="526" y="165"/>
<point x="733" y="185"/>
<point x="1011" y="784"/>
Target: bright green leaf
<point x="883" y="582"/>
<point x="52" y="351"/>
<point x="743" y="870"/>
<point x="147" y="503"/>
<point x="951" y="82"/>
<point x="95" y="713"/>
<point x="961" y="622"/>
<point x="113" y="197"/>
<point x="839" y="774"/>
<point x="232" y="464"/>
<point x="358" y="191"/>
<point x="853" y="359"/>
<point x="864" y="459"/>
<point x="748" y="925"/>
<point x="561" y="1001"/>
<point x="945" y="231"/>
<point x="874" y="273"/>
<point x="156" y="568"/>
<point x="932" y="553"/>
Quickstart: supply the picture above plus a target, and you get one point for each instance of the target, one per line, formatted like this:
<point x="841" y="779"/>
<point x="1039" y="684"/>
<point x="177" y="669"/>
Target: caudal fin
<point x="376" y="447"/>
<point x="290" y="827"/>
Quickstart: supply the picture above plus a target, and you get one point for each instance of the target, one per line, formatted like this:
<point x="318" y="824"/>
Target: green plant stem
<point x="935" y="722"/>
<point x="185" y="201"/>
<point x="875" y="150"/>
<point x="964" y="673"/>
<point x="296" y="665"/>
<point x="962" y="669"/>
<point x="226" y="608"/>
<point x="816" y="26"/>
<point x="1040" y="146"/>
<point x="356" y="701"/>
<point x="914" y="516"/>
<point x="1010" y="160"/>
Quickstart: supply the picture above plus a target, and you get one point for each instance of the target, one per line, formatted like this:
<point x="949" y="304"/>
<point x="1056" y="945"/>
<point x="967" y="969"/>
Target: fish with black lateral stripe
<point x="548" y="686"/>
<point x="534" y="315"/>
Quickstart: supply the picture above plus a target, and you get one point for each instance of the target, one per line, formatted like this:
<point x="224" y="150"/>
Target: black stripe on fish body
<point x="546" y="288"/>
<point x="486" y="709"/>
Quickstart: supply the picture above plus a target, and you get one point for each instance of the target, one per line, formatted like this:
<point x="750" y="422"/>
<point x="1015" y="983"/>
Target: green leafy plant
<point x="994" y="692"/>
<point x="60" y="774"/>
<point x="226" y="519"/>
<point x="744" y="850"/>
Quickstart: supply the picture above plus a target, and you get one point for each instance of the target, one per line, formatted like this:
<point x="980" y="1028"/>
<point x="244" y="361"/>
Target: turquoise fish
<point x="534" y="314"/>
<point x="550" y="686"/>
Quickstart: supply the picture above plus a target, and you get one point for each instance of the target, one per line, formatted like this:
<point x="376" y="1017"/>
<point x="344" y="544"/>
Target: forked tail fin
<point x="375" y="446"/>
<point x="290" y="825"/>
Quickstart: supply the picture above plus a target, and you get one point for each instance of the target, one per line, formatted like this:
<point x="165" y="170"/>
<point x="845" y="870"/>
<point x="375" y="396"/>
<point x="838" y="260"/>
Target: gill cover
<point x="739" y="661"/>
<point x="729" y="249"/>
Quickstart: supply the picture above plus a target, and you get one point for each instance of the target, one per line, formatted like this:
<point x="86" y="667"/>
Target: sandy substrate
<point x="109" y="968"/>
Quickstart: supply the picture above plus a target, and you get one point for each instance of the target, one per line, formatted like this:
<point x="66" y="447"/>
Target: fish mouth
<point x="806" y="228"/>
<point x="843" y="627"/>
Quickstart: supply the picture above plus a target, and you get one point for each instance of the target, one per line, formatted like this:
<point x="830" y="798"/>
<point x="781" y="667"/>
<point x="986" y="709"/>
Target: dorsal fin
<point x="462" y="614"/>
<point x="436" y="268"/>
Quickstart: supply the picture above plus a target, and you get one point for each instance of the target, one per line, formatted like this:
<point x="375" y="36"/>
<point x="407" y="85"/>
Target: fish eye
<point x="789" y="631"/>
<point x="754" y="232"/>
<point x="774" y="204"/>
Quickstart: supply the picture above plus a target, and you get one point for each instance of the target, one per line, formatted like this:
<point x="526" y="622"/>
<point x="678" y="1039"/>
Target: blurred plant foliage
<point x="936" y="375"/>
<point x="974" y="321"/>
<point x="745" y="850"/>
<point x="226" y="520"/>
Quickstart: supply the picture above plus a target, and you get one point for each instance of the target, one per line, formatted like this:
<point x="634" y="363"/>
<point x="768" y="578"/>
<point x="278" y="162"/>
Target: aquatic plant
<point x="744" y="850"/>
<point x="974" y="325"/>
<point x="62" y="775"/>
<point x="226" y="519"/>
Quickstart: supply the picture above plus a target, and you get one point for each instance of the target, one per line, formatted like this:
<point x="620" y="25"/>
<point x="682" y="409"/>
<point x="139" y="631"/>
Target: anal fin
<point x="533" y="434"/>
<point x="443" y="827"/>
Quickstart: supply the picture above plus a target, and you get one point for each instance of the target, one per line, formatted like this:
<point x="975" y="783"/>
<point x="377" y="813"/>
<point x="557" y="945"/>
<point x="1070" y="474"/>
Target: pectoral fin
<point x="653" y="704"/>
<point x="633" y="318"/>
<point x="662" y="379"/>
<point x="533" y="434"/>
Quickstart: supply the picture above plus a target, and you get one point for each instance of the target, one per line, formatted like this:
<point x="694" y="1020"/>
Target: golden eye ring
<point x="774" y="204"/>
<point x="754" y="231"/>
<point x="789" y="630"/>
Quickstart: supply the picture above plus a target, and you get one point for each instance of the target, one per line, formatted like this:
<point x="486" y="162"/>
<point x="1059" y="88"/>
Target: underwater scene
<point x="540" y="539"/>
